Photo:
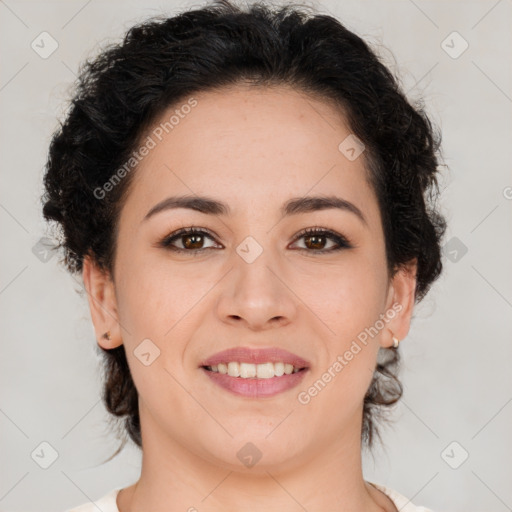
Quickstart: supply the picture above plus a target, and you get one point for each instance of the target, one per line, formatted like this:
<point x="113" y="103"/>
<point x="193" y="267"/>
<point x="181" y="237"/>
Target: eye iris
<point x="314" y="239"/>
<point x="195" y="244"/>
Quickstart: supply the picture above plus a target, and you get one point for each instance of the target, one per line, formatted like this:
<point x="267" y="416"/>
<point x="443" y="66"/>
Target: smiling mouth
<point x="254" y="371"/>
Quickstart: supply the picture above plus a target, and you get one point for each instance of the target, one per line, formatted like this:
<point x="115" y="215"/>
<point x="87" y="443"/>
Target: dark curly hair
<point x="121" y="93"/>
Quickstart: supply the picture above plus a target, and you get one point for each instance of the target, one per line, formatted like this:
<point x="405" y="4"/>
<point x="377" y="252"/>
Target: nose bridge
<point x="256" y="269"/>
<point x="257" y="292"/>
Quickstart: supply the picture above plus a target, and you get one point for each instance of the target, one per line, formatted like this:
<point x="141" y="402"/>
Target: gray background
<point x="456" y="377"/>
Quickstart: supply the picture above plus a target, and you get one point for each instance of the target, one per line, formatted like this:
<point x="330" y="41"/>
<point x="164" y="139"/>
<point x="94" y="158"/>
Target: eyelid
<point x="166" y="241"/>
<point x="342" y="241"/>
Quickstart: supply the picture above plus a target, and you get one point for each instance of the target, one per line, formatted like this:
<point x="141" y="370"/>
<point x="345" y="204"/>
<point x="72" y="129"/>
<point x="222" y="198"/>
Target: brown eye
<point x="187" y="240"/>
<point x="316" y="240"/>
<point x="192" y="241"/>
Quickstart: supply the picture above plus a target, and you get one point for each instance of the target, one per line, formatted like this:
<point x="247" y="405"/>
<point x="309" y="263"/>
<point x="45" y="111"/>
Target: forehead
<point x="250" y="146"/>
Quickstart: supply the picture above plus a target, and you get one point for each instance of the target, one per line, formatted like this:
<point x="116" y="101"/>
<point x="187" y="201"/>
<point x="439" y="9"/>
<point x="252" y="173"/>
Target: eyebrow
<point x="294" y="206"/>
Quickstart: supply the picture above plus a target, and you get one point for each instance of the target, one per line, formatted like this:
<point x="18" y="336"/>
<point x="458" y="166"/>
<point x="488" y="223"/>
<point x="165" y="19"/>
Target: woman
<point x="248" y="197"/>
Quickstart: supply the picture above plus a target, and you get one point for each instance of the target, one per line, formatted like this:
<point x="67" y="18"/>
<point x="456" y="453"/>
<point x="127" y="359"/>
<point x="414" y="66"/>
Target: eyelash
<point x="341" y="241"/>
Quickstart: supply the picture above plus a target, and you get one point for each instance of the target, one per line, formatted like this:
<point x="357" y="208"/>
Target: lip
<point x="256" y="388"/>
<point x="256" y="356"/>
<point x="253" y="387"/>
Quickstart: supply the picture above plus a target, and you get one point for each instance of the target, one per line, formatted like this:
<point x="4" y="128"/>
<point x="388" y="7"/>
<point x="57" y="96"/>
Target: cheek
<point x="349" y="301"/>
<point x="164" y="303"/>
<point x="152" y="309"/>
<point x="349" y="298"/>
<point x="154" y="296"/>
<point x="337" y="390"/>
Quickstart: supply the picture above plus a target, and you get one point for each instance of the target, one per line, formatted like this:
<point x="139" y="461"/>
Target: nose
<point x="257" y="294"/>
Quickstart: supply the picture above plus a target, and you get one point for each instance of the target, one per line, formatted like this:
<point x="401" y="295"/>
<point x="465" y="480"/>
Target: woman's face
<point x="247" y="278"/>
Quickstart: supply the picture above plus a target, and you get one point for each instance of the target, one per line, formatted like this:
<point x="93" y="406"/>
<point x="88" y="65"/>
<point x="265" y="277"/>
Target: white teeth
<point x="233" y="369"/>
<point x="278" y="369"/>
<point x="265" y="371"/>
<point x="249" y="370"/>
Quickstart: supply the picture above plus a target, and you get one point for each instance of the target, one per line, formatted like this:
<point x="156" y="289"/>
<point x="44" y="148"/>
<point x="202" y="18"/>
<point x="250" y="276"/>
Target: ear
<point x="400" y="301"/>
<point x="102" y="304"/>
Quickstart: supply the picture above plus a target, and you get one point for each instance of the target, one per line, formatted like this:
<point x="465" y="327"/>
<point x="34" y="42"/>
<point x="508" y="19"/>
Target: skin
<point x="253" y="149"/>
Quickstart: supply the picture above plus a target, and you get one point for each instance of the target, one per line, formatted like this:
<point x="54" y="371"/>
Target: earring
<point x="107" y="336"/>
<point x="396" y="341"/>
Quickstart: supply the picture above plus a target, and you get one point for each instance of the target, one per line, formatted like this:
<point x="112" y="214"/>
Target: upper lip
<point x="256" y="356"/>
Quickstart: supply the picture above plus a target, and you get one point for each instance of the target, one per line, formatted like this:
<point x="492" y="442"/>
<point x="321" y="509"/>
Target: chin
<point x="258" y="452"/>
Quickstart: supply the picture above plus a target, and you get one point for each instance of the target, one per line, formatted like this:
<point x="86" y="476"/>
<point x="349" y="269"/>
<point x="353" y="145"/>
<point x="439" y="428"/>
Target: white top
<point x="108" y="502"/>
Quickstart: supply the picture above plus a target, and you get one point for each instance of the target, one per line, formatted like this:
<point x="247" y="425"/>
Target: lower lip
<point x="256" y="388"/>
